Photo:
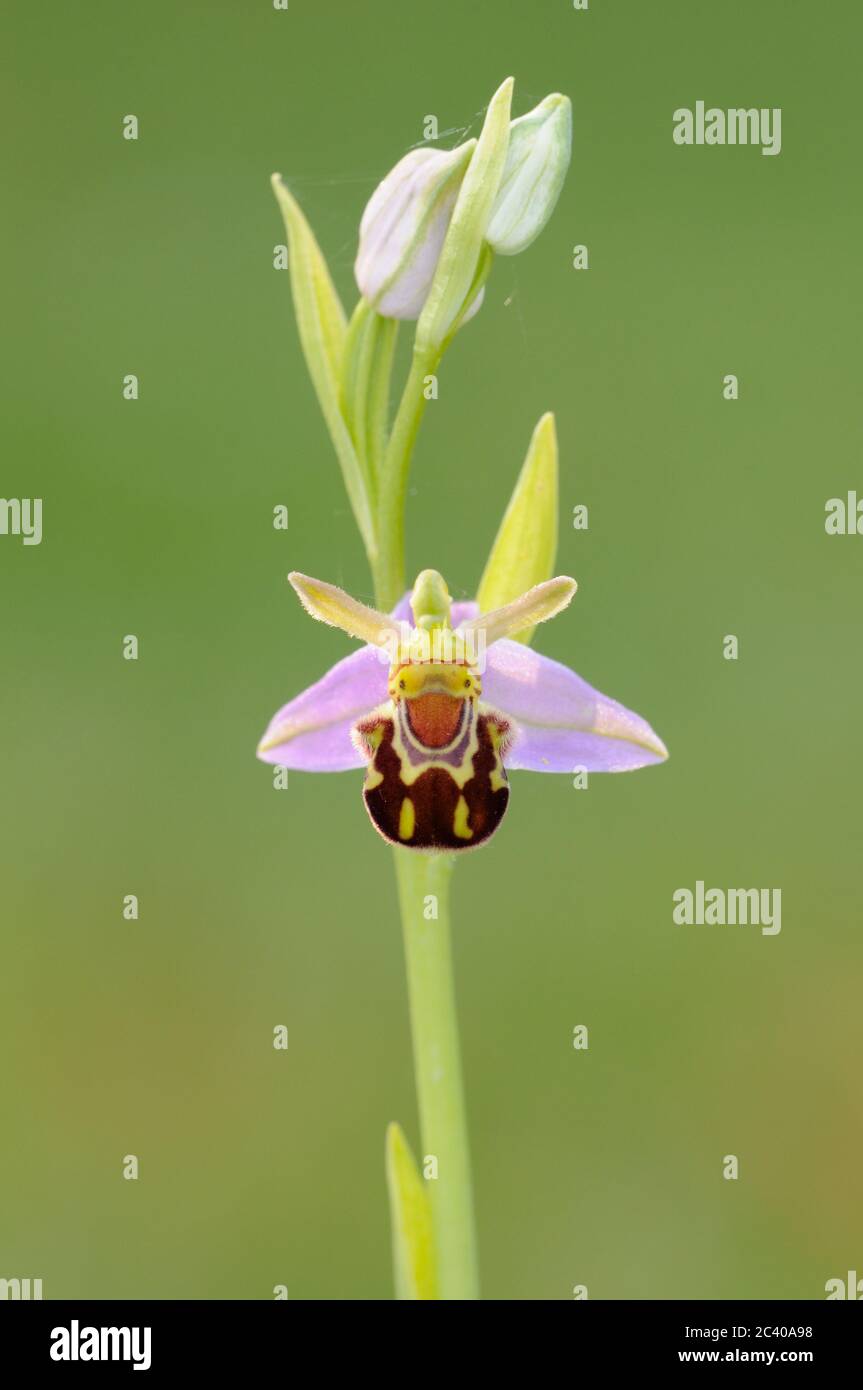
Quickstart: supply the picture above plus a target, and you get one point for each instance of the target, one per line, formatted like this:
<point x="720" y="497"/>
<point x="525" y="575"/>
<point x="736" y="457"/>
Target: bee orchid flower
<point x="443" y="700"/>
<point x="440" y="703"/>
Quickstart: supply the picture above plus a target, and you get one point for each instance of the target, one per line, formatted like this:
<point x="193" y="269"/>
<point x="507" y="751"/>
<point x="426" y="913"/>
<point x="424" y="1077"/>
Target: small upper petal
<point x="402" y="610"/>
<point x="462" y="610"/>
<point x="562" y="722"/>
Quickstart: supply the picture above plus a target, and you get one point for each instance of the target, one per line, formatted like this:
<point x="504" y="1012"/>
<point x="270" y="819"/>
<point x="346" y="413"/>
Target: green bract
<point x="411" y="1218"/>
<point x="454" y="286"/>
<point x="526" y="543"/>
<point x="322" y="329"/>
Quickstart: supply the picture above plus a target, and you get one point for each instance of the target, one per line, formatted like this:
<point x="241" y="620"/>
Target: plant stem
<point x="389" y="569"/>
<point x="423" y="882"/>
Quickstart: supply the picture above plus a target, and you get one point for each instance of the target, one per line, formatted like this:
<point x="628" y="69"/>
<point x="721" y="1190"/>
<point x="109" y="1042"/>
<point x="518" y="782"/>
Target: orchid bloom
<point x="439" y="709"/>
<point x="444" y="699"/>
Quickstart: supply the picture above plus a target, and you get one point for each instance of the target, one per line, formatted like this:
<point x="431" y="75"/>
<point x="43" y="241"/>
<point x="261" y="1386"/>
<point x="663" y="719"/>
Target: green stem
<point x="423" y="882"/>
<point x="389" y="567"/>
<point x="423" y="885"/>
<point x="378" y="404"/>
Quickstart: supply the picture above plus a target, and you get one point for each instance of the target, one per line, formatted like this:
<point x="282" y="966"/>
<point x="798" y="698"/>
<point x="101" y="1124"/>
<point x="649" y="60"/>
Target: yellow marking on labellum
<point x="410" y="686"/>
<point x="415" y="678"/>
<point x="411" y="771"/>
<point x="497" y="776"/>
<point x="460" y="826"/>
<point x="407" y="819"/>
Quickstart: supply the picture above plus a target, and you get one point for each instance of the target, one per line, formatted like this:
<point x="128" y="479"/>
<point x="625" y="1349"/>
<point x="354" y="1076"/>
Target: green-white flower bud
<point x="537" y="159"/>
<point x="403" y="229"/>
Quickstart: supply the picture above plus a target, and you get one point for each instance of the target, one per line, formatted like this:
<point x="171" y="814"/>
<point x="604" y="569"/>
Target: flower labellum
<point x="437" y="730"/>
<point x="540" y="145"/>
<point x="403" y="229"/>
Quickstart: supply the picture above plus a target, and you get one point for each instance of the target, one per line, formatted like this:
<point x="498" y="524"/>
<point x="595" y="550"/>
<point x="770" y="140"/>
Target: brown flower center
<point x="435" y="718"/>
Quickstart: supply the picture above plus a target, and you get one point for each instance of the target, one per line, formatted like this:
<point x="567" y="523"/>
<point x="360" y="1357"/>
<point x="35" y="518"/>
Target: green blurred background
<point x="261" y="907"/>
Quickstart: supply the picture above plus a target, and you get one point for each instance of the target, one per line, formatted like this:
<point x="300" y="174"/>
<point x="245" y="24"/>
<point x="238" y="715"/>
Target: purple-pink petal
<point x="462" y="610"/>
<point x="317" y="723"/>
<point x="562" y="723"/>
